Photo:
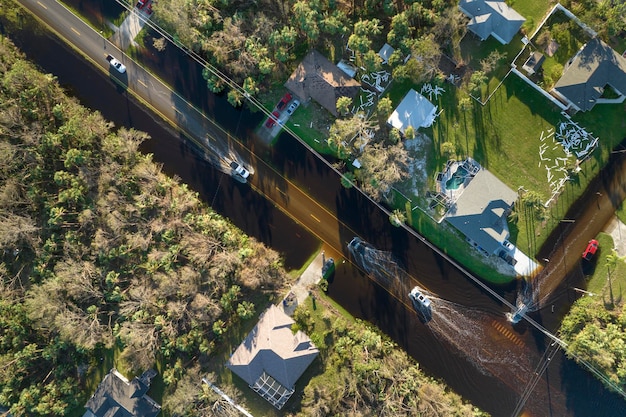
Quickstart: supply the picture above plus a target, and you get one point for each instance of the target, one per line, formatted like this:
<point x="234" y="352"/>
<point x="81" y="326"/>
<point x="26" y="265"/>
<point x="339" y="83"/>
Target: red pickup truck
<point x="283" y="102"/>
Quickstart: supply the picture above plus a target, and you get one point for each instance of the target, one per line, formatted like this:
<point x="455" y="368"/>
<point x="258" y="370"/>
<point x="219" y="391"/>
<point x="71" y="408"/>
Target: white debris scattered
<point x="378" y="80"/>
<point x="576" y="144"/>
<point x="432" y="91"/>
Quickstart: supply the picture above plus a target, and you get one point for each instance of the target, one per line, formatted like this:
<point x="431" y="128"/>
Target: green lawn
<point x="474" y="50"/>
<point x="598" y="282"/>
<point x="505" y="137"/>
<point x="533" y="10"/>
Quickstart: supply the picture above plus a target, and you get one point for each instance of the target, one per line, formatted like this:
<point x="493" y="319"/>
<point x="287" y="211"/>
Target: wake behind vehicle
<point x="421" y="304"/>
<point x="239" y="173"/>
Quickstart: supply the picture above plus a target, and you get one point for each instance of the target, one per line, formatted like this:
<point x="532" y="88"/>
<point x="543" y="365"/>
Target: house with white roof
<point x="414" y="110"/>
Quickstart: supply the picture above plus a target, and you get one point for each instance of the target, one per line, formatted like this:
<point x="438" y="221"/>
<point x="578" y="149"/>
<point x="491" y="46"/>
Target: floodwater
<point x="469" y="343"/>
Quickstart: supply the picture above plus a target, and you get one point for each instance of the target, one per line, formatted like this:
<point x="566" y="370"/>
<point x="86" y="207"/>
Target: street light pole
<point x="580" y="290"/>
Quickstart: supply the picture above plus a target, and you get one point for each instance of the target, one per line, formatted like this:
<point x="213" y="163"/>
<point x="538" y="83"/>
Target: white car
<point x="421" y="304"/>
<point x="121" y="68"/>
<point x="239" y="172"/>
<point x="293" y="106"/>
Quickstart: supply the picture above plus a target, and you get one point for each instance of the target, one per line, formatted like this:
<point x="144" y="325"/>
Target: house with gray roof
<point x="385" y="53"/>
<point x="319" y="79"/>
<point x="492" y="18"/>
<point x="272" y="358"/>
<point x="116" y="396"/>
<point x="481" y="211"/>
<point x="588" y="73"/>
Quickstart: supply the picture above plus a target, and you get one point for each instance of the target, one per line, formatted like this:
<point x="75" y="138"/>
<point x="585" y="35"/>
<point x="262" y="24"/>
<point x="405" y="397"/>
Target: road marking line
<point x="318" y="220"/>
<point x="75" y="31"/>
<point x="507" y="333"/>
<point x="176" y="109"/>
<point x="142" y="83"/>
<point x="42" y="5"/>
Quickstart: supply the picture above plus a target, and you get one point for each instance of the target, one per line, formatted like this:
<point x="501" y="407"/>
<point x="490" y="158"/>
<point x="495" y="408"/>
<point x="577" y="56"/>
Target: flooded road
<point x="471" y="346"/>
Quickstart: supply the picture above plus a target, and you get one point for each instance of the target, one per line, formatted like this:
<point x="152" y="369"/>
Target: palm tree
<point x="611" y="264"/>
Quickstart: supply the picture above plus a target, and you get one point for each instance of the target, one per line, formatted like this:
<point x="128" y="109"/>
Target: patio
<point x="455" y="177"/>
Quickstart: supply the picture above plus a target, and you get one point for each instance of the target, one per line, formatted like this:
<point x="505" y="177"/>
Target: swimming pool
<point x="457" y="179"/>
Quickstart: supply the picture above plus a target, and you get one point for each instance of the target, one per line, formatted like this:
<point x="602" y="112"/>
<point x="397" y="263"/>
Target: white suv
<point x="121" y="68"/>
<point x="292" y="107"/>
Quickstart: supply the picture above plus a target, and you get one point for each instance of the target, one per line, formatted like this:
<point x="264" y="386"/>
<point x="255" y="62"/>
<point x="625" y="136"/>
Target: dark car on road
<point x="590" y="251"/>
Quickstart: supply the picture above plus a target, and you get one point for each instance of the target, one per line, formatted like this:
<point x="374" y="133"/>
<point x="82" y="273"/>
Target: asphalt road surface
<point x="191" y="122"/>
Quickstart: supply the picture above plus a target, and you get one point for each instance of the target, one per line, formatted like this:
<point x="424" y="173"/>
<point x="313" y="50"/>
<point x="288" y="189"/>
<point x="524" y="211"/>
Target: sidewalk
<point x="300" y="289"/>
<point x="616" y="228"/>
<point x="125" y="35"/>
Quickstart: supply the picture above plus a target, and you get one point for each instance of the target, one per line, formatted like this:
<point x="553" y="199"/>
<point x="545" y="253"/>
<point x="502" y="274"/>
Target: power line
<point x="539" y="370"/>
<point x="254" y="101"/>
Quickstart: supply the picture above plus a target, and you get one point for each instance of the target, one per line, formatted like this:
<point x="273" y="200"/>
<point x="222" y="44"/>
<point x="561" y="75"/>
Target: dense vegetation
<point x="595" y="328"/>
<point x="597" y="335"/>
<point x="100" y="249"/>
<point x="259" y="43"/>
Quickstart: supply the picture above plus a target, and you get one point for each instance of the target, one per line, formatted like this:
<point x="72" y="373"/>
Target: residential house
<point x="481" y="211"/>
<point x="272" y="358"/>
<point x="492" y="18"/>
<point x="414" y="110"/>
<point x="319" y="79"/>
<point x="116" y="396"/>
<point x="588" y="73"/>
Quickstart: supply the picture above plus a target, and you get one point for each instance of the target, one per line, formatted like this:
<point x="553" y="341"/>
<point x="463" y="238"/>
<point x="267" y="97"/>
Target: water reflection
<point x="480" y="337"/>
<point x="364" y="299"/>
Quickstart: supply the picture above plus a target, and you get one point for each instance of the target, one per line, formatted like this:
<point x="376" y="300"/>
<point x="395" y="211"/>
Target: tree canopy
<point x="98" y="247"/>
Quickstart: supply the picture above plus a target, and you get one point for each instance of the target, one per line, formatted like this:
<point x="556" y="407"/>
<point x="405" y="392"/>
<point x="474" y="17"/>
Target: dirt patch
<point x="447" y="66"/>
<point x="417" y="149"/>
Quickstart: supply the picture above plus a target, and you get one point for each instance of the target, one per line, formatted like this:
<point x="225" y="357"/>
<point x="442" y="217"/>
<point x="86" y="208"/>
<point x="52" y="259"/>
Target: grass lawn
<point x="598" y="282"/>
<point x="474" y="50"/>
<point x="505" y="137"/>
<point x="533" y="10"/>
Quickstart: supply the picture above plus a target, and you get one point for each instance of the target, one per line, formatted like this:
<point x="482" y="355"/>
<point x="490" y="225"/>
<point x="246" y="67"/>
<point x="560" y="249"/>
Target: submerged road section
<point x="194" y="125"/>
<point x="316" y="218"/>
